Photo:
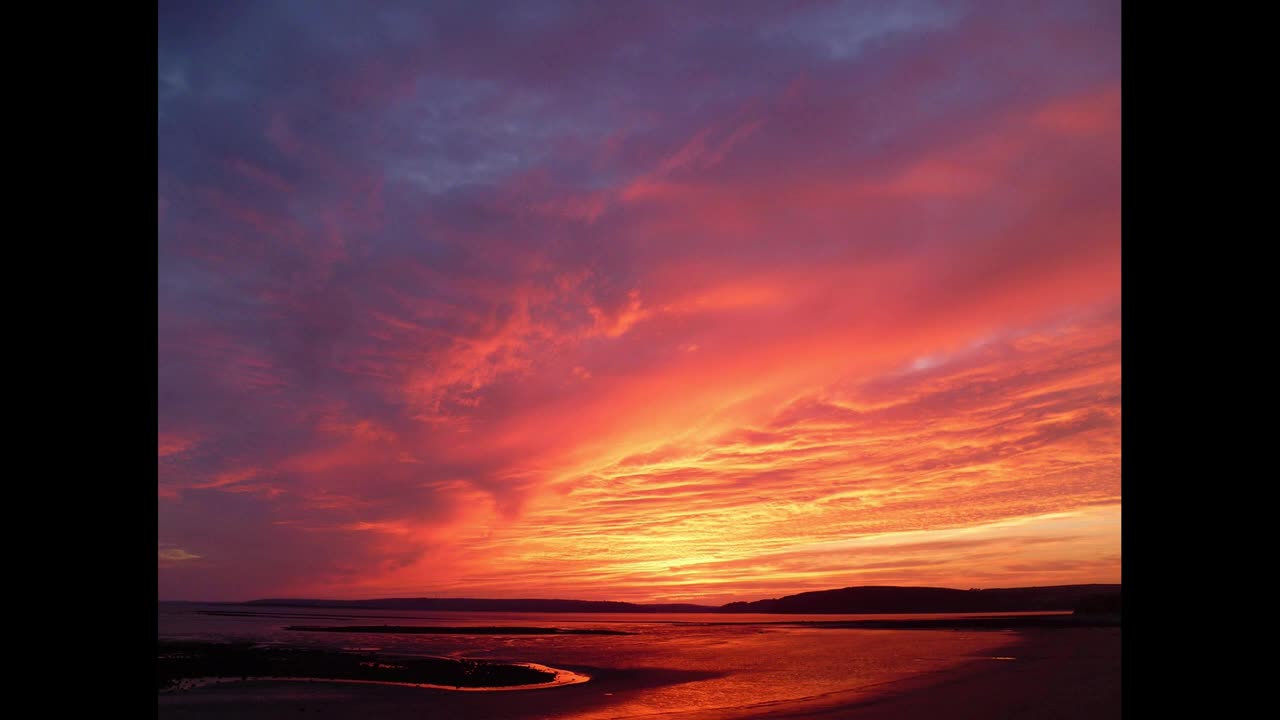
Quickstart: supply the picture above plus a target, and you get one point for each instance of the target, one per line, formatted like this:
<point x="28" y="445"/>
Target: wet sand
<point x="1056" y="674"/>
<point x="561" y="677"/>
<point x="256" y="700"/>
<point x="1059" y="674"/>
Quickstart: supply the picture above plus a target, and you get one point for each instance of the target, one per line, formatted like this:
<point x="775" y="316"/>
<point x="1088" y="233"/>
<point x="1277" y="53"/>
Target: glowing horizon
<point x="637" y="302"/>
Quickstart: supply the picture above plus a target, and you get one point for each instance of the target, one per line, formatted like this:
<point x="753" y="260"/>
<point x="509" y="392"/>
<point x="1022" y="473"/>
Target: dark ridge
<point x="1005" y="622"/>
<point x="1100" y="604"/>
<point x="426" y="630"/>
<point x="850" y="600"/>
<point x="185" y="660"/>
<point x="885" y="599"/>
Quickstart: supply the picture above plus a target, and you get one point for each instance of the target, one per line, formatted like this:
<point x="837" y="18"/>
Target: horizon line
<point x="625" y="602"/>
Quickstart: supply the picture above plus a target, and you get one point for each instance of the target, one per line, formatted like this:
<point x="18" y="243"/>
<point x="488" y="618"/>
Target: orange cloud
<point x="174" y="444"/>
<point x="839" y="323"/>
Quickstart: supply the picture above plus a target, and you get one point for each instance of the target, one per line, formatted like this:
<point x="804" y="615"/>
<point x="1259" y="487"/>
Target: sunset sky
<point x="649" y="301"/>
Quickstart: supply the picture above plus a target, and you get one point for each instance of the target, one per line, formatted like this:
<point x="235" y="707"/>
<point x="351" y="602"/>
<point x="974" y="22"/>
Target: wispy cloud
<point x="637" y="303"/>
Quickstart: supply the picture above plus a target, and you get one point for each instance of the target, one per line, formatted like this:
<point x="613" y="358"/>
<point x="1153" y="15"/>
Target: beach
<point x="1056" y="674"/>
<point x="1070" y="674"/>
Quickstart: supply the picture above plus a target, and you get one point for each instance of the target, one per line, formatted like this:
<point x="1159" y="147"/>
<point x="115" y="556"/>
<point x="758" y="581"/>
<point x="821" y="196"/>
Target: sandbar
<point x="1067" y="673"/>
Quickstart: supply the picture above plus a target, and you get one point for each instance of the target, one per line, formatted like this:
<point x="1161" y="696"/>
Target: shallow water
<point x="746" y="661"/>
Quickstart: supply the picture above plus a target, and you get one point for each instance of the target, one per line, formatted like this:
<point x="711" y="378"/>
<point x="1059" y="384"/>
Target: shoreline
<point x="561" y="677"/>
<point x="185" y="666"/>
<point x="1039" y="676"/>
<point x="1049" y="673"/>
<point x="452" y="630"/>
<point x="335" y="700"/>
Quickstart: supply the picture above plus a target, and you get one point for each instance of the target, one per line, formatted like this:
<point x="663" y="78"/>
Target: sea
<point x="728" y="664"/>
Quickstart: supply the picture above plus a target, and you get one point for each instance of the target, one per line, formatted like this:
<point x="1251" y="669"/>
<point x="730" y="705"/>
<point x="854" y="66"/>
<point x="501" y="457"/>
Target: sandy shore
<point x="1067" y="674"/>
<point x="259" y="700"/>
<point x="561" y="677"/>
<point x="1056" y="674"/>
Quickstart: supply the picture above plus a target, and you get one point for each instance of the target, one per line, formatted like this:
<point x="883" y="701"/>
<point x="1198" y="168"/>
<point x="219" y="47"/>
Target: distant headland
<point x="872" y="599"/>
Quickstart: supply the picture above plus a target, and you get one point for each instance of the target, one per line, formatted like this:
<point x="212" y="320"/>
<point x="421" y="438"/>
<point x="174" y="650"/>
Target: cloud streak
<point x="711" y="304"/>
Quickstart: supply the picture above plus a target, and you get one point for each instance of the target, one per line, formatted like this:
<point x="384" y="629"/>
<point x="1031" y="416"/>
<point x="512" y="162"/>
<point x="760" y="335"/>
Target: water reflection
<point x="715" y="666"/>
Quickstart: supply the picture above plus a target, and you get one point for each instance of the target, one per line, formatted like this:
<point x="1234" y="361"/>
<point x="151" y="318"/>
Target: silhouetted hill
<point x="886" y="599"/>
<point x="1103" y="603"/>
<point x="488" y="605"/>
<point x="852" y="600"/>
